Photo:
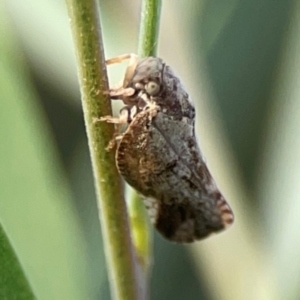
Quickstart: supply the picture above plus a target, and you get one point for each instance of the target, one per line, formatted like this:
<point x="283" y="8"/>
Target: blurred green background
<point x="240" y="62"/>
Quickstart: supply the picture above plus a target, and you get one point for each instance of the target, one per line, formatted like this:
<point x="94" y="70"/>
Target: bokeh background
<point x="240" y="62"/>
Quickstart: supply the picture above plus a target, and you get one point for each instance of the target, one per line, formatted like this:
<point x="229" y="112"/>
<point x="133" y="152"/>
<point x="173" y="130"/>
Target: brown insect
<point x="158" y="154"/>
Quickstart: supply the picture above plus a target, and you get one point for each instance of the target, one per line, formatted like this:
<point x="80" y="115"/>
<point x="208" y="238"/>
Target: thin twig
<point x="148" y="40"/>
<point x="120" y="256"/>
<point x="149" y="28"/>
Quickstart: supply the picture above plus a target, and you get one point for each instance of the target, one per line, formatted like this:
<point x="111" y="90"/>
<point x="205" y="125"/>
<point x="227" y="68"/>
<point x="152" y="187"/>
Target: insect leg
<point x="133" y="60"/>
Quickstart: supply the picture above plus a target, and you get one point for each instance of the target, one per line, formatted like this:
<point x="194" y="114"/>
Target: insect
<point x="158" y="154"/>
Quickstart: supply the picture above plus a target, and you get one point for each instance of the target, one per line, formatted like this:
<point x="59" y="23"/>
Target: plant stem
<point x="120" y="256"/>
<point x="141" y="231"/>
<point x="149" y="28"/>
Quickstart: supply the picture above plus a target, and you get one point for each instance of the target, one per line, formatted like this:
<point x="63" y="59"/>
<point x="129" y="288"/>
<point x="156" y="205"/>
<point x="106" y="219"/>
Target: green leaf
<point x="13" y="283"/>
<point x="36" y="207"/>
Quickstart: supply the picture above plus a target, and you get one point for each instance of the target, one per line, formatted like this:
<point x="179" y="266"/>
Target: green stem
<point x="149" y="28"/>
<point x="141" y="231"/>
<point x="120" y="256"/>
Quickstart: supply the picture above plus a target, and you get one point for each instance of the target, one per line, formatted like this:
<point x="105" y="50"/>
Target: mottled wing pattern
<point x="168" y="170"/>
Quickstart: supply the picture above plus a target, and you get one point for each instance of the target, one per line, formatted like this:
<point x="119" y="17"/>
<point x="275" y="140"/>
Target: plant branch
<point x="149" y="28"/>
<point x="147" y="46"/>
<point x="120" y="256"/>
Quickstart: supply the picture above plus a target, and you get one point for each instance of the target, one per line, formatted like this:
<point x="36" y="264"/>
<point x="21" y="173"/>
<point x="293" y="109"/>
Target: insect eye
<point x="152" y="88"/>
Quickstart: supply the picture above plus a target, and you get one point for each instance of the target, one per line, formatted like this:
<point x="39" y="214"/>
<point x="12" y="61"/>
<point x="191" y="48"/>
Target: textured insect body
<point x="158" y="154"/>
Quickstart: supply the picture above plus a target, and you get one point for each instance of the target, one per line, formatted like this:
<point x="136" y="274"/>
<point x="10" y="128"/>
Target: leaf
<point x="13" y="283"/>
<point x="36" y="207"/>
